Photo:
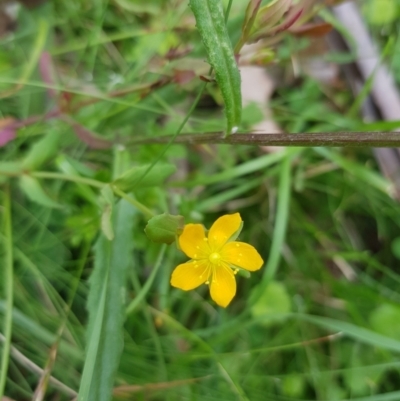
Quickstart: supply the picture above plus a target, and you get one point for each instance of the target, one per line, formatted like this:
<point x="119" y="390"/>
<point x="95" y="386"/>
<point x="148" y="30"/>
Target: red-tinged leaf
<point x="206" y="78"/>
<point x="292" y="16"/>
<point x="7" y="130"/>
<point x="251" y="14"/>
<point x="90" y="138"/>
<point x="270" y="14"/>
<point x="126" y="390"/>
<point x="47" y="72"/>
<point x="182" y="77"/>
<point x="65" y="101"/>
<point x="249" y="20"/>
<point x="314" y="30"/>
<point x="174" y="53"/>
<point x="85" y="135"/>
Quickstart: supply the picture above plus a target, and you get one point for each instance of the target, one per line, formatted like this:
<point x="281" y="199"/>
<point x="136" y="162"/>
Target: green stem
<point x="66" y="177"/>
<point x="281" y="221"/>
<point x="8" y="288"/>
<point x="94" y="183"/>
<point x="178" y="131"/>
<point x="147" y="212"/>
<point x="188" y="114"/>
<point x="145" y="289"/>
<point x="228" y="10"/>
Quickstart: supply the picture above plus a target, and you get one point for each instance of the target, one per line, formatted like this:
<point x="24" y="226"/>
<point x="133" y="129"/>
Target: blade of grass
<point x="106" y="309"/>
<point x="365" y="174"/>
<point x="190" y="335"/>
<point x="367" y="88"/>
<point x="358" y="333"/>
<point x="251" y="166"/>
<point x="281" y="221"/>
<point x="145" y="289"/>
<point x="8" y="285"/>
<point x="43" y="29"/>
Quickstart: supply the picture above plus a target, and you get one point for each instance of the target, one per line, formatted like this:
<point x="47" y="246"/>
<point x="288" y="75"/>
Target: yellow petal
<point x="223" y="285"/>
<point x="190" y="275"/>
<point x="193" y="241"/>
<point x="223" y="228"/>
<point x="241" y="255"/>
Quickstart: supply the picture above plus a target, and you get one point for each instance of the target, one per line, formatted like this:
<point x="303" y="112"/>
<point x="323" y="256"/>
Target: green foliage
<point x="42" y="151"/>
<point x="164" y="228"/>
<point x="85" y="289"/>
<point x="385" y="319"/>
<point x="273" y="304"/>
<point x="141" y="176"/>
<point x="106" y="217"/>
<point x="106" y="307"/>
<point x="34" y="191"/>
<point x="210" y="22"/>
<point x="381" y="12"/>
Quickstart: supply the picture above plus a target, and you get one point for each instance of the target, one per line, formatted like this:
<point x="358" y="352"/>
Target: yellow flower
<point x="214" y="260"/>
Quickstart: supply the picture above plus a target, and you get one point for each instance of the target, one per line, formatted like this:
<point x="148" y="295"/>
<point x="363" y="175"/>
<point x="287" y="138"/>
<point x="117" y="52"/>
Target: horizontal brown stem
<point x="329" y="139"/>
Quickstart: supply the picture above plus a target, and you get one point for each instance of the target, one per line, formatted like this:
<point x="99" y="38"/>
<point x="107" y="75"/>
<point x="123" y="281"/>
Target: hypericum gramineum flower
<point x="214" y="260"/>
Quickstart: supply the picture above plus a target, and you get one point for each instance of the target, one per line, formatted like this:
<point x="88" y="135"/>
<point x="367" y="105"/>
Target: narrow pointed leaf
<point x="42" y="151"/>
<point x="136" y="176"/>
<point x="106" y="307"/>
<point x="107" y="200"/>
<point x="210" y="22"/>
<point x="34" y="191"/>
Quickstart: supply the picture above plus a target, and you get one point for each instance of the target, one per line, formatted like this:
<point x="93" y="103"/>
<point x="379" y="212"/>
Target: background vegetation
<point x="80" y="81"/>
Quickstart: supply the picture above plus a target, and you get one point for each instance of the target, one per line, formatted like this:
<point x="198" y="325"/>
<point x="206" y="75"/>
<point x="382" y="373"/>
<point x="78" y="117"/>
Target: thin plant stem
<point x="188" y="114"/>
<point x="228" y="10"/>
<point x="384" y="139"/>
<point x="8" y="284"/>
<point x="66" y="177"/>
<point x="94" y="183"/>
<point x="147" y="212"/>
<point x="281" y="221"/>
<point x="145" y="289"/>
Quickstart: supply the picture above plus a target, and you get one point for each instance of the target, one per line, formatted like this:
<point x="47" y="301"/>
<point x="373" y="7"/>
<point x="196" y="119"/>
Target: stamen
<point x="215" y="258"/>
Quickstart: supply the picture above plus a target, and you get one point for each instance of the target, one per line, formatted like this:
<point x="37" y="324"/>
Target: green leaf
<point x="293" y="385"/>
<point x="106" y="307"/>
<point x="358" y="333"/>
<point x="395" y="245"/>
<point x="156" y="176"/>
<point x="381" y="12"/>
<point x="139" y="6"/>
<point x="274" y="301"/>
<point x="270" y="14"/>
<point x="164" y="228"/>
<point x="249" y="19"/>
<point x="8" y="169"/>
<point x="107" y="197"/>
<point x="34" y="191"/>
<point x="41" y="151"/>
<point x="386" y="320"/>
<point x="210" y="22"/>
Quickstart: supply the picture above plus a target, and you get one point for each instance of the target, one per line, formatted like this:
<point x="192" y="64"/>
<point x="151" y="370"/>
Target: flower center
<point x="214" y="257"/>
